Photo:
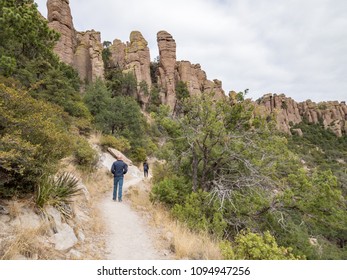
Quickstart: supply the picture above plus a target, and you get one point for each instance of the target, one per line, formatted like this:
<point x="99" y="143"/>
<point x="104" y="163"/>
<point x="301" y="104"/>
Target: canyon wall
<point x="332" y="114"/>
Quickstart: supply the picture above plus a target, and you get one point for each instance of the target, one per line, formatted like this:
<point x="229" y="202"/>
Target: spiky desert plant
<point x="57" y="191"/>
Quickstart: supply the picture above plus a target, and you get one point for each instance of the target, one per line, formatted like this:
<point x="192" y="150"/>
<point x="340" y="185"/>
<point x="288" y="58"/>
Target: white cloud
<point x="290" y="46"/>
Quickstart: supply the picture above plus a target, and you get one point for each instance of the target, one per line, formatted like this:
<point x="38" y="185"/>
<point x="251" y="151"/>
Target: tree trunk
<point x="195" y="169"/>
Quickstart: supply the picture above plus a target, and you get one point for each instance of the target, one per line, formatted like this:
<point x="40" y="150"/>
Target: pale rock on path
<point x="128" y="236"/>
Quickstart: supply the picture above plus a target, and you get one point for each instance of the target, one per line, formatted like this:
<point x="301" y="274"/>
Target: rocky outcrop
<point x="134" y="57"/>
<point x="171" y="72"/>
<point x="117" y="54"/>
<point x="60" y="19"/>
<point x="333" y="115"/>
<point x="88" y="56"/>
<point x="192" y="75"/>
<point x="81" y="50"/>
<point x="197" y="81"/>
<point x="138" y="58"/>
<point x="167" y="66"/>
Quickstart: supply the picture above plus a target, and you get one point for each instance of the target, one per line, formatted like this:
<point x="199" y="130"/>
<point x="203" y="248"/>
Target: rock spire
<point x="81" y="50"/>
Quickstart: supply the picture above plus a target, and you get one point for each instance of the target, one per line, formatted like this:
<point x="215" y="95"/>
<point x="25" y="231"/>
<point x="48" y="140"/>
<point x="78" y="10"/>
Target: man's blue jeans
<point x="117" y="185"/>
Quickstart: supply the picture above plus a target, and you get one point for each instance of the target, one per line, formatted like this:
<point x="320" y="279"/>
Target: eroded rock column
<point x="167" y="63"/>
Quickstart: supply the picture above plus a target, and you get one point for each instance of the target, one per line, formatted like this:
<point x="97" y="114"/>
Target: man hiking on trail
<point x="118" y="169"/>
<point x="145" y="168"/>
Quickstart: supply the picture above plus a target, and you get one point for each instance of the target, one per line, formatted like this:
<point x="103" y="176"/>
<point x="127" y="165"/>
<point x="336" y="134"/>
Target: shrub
<point x="151" y="147"/>
<point x="83" y="126"/>
<point x="254" y="246"/>
<point x="202" y="213"/>
<point x="139" y="155"/>
<point x="33" y="138"/>
<point x="109" y="141"/>
<point x="170" y="191"/>
<point x="160" y="171"/>
<point x="225" y="247"/>
<point x="85" y="156"/>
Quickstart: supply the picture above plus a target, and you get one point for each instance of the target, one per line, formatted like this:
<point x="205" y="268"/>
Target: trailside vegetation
<point x="42" y="114"/>
<point x="233" y="175"/>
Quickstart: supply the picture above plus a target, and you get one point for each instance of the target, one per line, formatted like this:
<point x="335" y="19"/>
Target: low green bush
<point x="85" y="156"/>
<point x="170" y="191"/>
<point x="120" y="143"/>
<point x="138" y="154"/>
<point x="201" y="213"/>
<point x="255" y="246"/>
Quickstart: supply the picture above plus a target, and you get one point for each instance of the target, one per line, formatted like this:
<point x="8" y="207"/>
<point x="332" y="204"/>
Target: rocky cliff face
<point x="88" y="56"/>
<point x="333" y="115"/>
<point x="134" y="56"/>
<point x="81" y="50"/>
<point x="197" y="81"/>
<point x="167" y="67"/>
<point x="172" y="71"/>
<point x="60" y="19"/>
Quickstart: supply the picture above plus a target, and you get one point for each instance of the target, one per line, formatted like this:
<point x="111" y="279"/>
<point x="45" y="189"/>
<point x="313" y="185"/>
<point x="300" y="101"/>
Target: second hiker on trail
<point x="118" y="169"/>
<point x="145" y="168"/>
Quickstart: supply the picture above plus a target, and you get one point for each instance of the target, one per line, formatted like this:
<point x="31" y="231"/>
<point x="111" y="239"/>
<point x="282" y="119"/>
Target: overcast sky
<point x="295" y="47"/>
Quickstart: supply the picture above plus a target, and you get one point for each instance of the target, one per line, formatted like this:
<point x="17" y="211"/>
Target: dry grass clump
<point x="174" y="235"/>
<point x="28" y="244"/>
<point x="14" y="208"/>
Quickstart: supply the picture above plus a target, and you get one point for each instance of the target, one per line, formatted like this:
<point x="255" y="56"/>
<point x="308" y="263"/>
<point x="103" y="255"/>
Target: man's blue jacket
<point x="119" y="168"/>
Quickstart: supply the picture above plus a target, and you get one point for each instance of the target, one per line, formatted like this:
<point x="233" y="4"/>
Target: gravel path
<point x="128" y="236"/>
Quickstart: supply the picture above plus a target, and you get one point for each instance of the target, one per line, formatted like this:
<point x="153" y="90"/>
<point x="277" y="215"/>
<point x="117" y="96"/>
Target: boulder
<point x="65" y="238"/>
<point x="298" y="132"/>
<point x="26" y="219"/>
<point x="115" y="153"/>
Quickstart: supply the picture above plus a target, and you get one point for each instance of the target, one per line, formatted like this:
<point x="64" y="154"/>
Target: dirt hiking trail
<point x="127" y="235"/>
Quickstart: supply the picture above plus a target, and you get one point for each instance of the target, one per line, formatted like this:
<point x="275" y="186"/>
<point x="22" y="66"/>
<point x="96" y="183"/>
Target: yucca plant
<point x="57" y="191"/>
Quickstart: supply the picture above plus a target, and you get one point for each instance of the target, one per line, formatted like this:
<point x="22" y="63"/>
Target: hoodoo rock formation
<point x="81" y="50"/>
<point x="196" y="79"/>
<point x="138" y="58"/>
<point x="332" y="114"/>
<point x="134" y="57"/>
<point x="167" y="65"/>
<point x="60" y="19"/>
<point x="88" y="56"/>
